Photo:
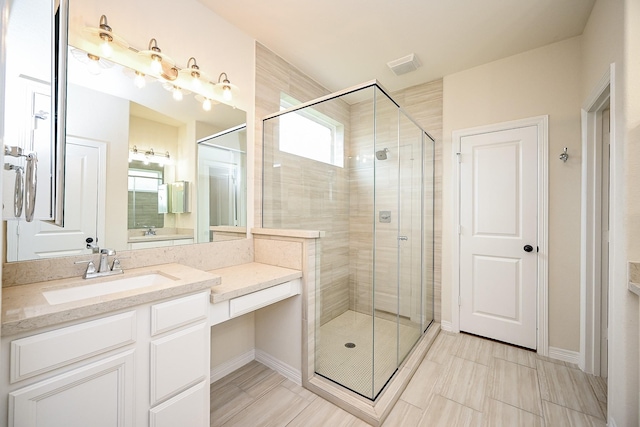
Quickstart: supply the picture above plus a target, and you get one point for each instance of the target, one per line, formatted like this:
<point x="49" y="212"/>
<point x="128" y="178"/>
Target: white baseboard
<point x="564" y="355"/>
<point x="280" y="367"/>
<point x="228" y="367"/>
<point x="447" y="326"/>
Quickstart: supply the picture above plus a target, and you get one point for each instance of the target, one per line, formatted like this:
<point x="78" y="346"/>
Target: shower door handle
<point x="403" y="238"/>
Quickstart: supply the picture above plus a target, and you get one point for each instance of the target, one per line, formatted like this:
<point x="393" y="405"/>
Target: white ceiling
<point x="342" y="43"/>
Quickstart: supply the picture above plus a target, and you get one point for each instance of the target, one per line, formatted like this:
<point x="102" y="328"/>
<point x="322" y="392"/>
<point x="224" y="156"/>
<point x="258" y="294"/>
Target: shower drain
<point x="350" y="345"/>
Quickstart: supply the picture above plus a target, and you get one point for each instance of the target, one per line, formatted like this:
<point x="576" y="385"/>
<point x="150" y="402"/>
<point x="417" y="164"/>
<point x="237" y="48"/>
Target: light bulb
<point x="146" y="161"/>
<point x="139" y="80"/>
<point x="177" y="93"/>
<point x="156" y="65"/>
<point x="226" y="93"/>
<point x="196" y="81"/>
<point x="206" y="104"/>
<point x="94" y="64"/>
<point x="105" y="48"/>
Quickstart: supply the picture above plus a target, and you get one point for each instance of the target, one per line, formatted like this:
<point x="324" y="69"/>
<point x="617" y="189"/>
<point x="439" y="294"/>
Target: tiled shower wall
<point x="302" y="193"/>
<point x="331" y="189"/>
<point x="424" y="104"/>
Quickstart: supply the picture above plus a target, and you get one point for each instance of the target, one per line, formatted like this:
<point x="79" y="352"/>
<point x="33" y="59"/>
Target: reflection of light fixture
<point x="226" y="86"/>
<point x="177" y="93"/>
<point x="149" y="156"/>
<point x="139" y="80"/>
<point x="207" y="103"/>
<point x="94" y="63"/>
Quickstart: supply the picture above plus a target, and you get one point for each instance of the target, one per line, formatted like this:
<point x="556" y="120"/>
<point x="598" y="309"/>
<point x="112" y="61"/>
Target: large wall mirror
<point x="145" y="166"/>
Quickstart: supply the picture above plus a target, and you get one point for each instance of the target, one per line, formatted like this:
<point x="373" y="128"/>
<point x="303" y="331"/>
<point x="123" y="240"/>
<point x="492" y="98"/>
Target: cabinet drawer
<point x="182" y="311"/>
<point x="189" y="408"/>
<point x="178" y="361"/>
<point x="50" y="350"/>
<point x="255" y="300"/>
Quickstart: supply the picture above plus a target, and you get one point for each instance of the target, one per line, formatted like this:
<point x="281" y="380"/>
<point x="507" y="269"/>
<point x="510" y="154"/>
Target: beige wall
<point x="539" y="82"/>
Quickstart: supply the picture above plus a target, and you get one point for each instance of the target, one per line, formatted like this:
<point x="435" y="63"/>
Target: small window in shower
<point x="311" y="134"/>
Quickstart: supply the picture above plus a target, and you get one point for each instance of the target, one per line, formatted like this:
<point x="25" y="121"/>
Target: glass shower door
<point x="409" y="235"/>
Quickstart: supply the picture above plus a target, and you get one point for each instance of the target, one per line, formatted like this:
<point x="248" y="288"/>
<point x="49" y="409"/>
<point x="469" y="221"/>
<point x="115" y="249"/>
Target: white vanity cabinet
<point x="67" y="390"/>
<point x="148" y="365"/>
<point x="179" y="362"/>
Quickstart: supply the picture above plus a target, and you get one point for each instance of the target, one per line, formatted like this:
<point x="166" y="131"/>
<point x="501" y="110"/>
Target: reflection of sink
<point x="83" y="291"/>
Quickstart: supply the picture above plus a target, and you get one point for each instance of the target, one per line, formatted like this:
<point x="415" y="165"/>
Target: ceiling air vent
<point x="404" y="65"/>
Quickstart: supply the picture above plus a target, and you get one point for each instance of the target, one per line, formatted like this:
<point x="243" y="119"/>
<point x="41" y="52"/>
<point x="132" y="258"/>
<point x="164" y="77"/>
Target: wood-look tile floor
<point x="463" y="381"/>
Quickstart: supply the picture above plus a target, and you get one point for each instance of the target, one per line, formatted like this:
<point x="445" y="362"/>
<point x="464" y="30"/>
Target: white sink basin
<point x="84" y="291"/>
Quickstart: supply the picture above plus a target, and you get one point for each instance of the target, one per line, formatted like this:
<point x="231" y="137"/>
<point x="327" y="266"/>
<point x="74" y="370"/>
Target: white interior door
<point x="39" y="239"/>
<point x="498" y="235"/>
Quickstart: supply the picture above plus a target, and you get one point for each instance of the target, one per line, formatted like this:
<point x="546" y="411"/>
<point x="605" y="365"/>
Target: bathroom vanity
<point x="138" y="356"/>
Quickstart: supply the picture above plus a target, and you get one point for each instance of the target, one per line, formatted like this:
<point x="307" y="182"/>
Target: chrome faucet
<point x="151" y="231"/>
<point x="103" y="266"/>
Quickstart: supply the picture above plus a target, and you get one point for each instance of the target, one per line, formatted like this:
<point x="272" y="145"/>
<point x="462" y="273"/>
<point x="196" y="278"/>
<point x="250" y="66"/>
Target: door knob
<point x="528" y="248"/>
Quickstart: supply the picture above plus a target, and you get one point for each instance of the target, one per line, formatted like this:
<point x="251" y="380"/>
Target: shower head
<point x="382" y="154"/>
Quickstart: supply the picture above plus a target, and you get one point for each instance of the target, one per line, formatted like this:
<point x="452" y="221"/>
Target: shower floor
<point x="351" y="367"/>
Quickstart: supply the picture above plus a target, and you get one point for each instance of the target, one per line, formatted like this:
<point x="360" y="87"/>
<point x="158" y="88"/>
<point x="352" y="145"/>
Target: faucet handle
<point x="116" y="265"/>
<point x="91" y="267"/>
<point x="108" y="252"/>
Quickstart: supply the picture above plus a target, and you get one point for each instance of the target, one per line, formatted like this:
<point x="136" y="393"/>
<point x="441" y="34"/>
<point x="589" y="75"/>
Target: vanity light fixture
<point x="156" y="60"/>
<point x="149" y="156"/>
<point x="107" y="37"/>
<point x="152" y="64"/>
<point x="193" y="73"/>
<point x="226" y="87"/>
<point x="160" y="63"/>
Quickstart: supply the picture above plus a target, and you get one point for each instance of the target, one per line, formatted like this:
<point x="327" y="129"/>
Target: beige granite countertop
<point x="25" y="308"/>
<point x="246" y="278"/>
<point x="634" y="277"/>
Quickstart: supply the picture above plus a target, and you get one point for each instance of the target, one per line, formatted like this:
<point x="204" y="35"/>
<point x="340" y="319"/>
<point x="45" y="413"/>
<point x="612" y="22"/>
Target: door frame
<point x="591" y="227"/>
<point x="542" y="124"/>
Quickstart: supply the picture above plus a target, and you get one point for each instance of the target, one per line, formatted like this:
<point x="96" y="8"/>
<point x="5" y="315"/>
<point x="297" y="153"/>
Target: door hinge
<point x="459" y="155"/>
<point x="537" y="248"/>
<point x="459" y="301"/>
<point x="459" y="229"/>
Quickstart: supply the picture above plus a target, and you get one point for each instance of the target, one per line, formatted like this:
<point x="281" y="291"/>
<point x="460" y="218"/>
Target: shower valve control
<point x="384" y="216"/>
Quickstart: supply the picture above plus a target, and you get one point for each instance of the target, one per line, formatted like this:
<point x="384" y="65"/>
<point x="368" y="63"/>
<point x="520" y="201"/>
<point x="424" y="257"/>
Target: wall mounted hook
<point x="564" y="156"/>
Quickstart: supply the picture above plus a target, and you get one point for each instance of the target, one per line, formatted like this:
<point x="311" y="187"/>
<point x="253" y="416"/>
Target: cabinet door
<point x="96" y="395"/>
<point x="189" y="408"/>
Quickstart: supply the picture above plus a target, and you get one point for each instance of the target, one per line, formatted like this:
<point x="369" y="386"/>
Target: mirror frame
<point x="59" y="102"/>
